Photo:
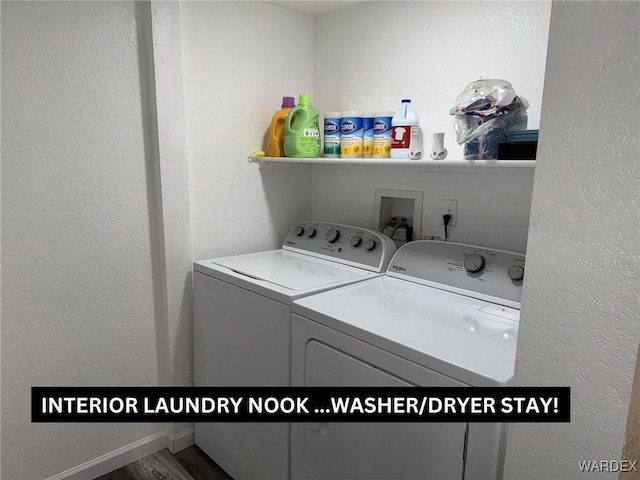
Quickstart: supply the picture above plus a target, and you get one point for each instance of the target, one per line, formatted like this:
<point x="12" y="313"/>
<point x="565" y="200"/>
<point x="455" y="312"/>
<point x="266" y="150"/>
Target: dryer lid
<point x="291" y="270"/>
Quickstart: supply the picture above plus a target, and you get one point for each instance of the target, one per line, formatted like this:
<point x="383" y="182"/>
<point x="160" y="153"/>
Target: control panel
<point x="346" y="244"/>
<point x="480" y="272"/>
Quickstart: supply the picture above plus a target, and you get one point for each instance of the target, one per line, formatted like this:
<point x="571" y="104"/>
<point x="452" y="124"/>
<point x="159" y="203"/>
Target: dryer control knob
<point x="516" y="272"/>
<point x="355" y="241"/>
<point x="298" y="231"/>
<point x="333" y="235"/>
<point x="474" y="263"/>
<point x="370" y="244"/>
<point x="311" y="232"/>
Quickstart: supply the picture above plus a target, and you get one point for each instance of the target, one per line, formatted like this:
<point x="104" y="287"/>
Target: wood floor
<point x="188" y="464"/>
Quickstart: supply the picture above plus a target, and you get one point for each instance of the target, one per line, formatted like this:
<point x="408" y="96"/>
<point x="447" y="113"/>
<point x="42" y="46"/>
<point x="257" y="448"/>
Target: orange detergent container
<point x="275" y="143"/>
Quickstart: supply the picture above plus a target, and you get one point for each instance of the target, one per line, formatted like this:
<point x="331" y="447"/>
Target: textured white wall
<point x="240" y="59"/>
<point x="370" y="56"/>
<point x="579" y="322"/>
<point x="493" y="209"/>
<point x="77" y="290"/>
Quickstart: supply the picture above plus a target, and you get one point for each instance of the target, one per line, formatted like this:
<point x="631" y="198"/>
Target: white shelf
<point x="447" y="165"/>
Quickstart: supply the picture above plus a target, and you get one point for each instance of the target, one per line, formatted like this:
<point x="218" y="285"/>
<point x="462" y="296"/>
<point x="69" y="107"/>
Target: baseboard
<point x="181" y="440"/>
<point x="118" y="458"/>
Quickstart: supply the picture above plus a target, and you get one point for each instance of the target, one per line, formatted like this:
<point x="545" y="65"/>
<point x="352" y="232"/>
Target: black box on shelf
<point x="517" y="150"/>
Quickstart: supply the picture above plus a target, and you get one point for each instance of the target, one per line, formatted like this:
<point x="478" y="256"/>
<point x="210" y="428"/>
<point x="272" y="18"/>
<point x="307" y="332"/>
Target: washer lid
<point x="470" y="340"/>
<point x="291" y="270"/>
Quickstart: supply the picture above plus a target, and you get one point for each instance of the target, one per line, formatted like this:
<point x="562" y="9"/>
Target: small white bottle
<point x="404" y="121"/>
<point x="438" y="152"/>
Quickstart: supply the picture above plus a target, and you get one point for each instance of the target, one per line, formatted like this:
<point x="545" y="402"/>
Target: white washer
<point x="242" y="329"/>
<point x="444" y="315"/>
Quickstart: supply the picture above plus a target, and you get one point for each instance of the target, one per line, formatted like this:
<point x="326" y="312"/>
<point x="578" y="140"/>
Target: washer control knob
<point x="370" y="244"/>
<point x="516" y="272"/>
<point x="333" y="235"/>
<point x="311" y="232"/>
<point x="474" y="263"/>
<point x="298" y="231"/>
<point x="355" y="241"/>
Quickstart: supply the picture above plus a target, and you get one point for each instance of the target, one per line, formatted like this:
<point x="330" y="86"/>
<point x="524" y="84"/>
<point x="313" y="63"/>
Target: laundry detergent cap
<point x="305" y="99"/>
<point x="288" y="102"/>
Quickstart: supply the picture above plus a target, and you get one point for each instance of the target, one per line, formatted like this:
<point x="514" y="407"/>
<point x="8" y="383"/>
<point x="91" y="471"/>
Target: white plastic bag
<point x="487" y="106"/>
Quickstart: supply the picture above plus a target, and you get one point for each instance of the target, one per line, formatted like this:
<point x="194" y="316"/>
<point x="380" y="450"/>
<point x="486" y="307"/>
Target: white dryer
<point x="445" y="315"/>
<point x="242" y="329"/>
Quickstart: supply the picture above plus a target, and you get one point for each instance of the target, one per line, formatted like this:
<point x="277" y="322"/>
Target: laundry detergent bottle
<point x="301" y="132"/>
<point x="405" y="128"/>
<point x="275" y="143"/>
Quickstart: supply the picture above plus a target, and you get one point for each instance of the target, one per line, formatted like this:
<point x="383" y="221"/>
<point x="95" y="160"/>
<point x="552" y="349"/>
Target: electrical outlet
<point x="450" y="207"/>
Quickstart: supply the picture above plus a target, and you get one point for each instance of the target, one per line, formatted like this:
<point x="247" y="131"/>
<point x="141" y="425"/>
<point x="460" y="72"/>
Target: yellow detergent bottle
<point x="301" y="132"/>
<point x="275" y="143"/>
